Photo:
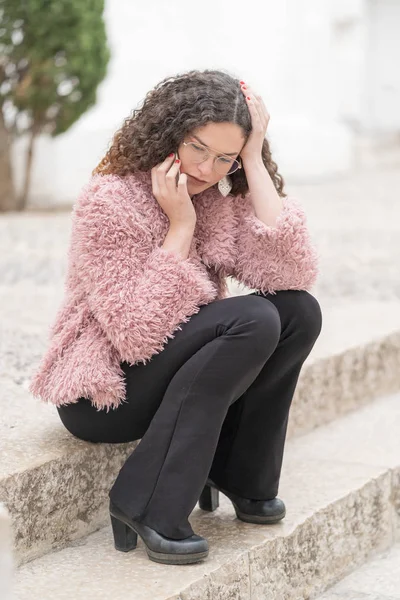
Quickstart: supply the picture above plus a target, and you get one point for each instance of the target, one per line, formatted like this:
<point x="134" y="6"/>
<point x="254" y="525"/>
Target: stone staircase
<point x="341" y="484"/>
<point x="340" y="481"/>
<point x="341" y="471"/>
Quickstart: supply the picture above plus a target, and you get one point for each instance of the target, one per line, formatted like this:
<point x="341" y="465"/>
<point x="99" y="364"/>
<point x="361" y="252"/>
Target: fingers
<point x="182" y="183"/>
<point x="257" y="120"/>
<point x="266" y="113"/>
<point x="171" y="176"/>
<point x="154" y="183"/>
<point x="159" y="173"/>
<point x="256" y="106"/>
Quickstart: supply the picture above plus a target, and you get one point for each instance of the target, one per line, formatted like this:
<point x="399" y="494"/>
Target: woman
<point x="186" y="196"/>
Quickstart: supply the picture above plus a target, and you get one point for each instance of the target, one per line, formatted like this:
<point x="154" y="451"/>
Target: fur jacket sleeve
<point x="137" y="291"/>
<point x="274" y="258"/>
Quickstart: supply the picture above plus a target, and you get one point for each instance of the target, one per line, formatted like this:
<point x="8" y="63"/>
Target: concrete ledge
<point x="332" y="386"/>
<point x="340" y="494"/>
<point x="57" y="491"/>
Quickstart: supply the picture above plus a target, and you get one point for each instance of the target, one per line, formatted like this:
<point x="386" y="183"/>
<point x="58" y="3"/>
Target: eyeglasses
<point x="224" y="165"/>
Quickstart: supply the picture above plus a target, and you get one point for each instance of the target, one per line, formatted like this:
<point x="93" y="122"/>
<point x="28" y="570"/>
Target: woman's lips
<point x="198" y="181"/>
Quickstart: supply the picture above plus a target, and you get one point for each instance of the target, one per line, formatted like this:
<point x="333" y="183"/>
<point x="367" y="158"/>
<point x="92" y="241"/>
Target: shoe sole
<point x="176" y="559"/>
<point x="170" y="559"/>
<point x="160" y="557"/>
<point x="258" y="519"/>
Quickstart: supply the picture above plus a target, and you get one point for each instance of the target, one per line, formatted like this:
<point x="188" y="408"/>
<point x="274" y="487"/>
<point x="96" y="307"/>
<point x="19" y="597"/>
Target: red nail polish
<point x="241" y="82"/>
<point x="172" y="154"/>
<point x="248" y="98"/>
<point x="244" y="87"/>
<point x="177" y="160"/>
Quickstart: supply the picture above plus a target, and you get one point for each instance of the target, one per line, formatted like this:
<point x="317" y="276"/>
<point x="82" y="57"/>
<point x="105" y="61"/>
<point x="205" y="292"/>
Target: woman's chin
<point x="193" y="189"/>
<point x="196" y="188"/>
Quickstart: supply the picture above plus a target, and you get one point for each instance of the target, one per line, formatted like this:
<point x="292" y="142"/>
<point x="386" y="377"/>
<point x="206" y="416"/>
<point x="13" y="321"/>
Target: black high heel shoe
<point x="251" y="511"/>
<point x="159" y="548"/>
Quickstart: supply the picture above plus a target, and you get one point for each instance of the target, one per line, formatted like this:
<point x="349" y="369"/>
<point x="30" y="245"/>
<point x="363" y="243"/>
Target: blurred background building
<point x="327" y="70"/>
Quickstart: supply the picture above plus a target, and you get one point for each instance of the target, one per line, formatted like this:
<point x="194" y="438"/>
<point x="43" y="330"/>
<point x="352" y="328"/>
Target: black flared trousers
<point x="213" y="403"/>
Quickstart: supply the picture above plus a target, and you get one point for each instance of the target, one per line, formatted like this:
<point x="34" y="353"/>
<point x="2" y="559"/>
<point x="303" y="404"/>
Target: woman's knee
<point x="307" y="314"/>
<point x="264" y="317"/>
<point x="300" y="309"/>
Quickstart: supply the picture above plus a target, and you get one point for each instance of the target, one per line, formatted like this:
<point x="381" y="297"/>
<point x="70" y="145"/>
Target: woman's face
<point x="220" y="139"/>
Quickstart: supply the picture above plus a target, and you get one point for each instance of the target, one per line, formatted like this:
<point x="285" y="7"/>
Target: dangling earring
<point x="225" y="185"/>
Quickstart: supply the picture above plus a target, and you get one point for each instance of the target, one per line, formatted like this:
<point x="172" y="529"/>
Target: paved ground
<point x="356" y="222"/>
<point x="378" y="579"/>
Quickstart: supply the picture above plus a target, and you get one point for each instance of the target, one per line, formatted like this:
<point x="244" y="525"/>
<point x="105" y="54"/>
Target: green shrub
<point x="53" y="55"/>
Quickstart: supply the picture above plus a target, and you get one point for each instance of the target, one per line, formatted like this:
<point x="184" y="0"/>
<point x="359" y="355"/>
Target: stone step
<point x="378" y="579"/>
<point x="55" y="486"/>
<point x="341" y="486"/>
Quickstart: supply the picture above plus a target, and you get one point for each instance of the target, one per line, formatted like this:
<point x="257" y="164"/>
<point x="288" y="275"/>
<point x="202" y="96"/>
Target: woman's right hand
<point x="173" y="196"/>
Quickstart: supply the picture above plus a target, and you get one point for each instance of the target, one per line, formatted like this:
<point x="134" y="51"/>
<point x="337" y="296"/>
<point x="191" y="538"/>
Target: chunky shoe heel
<point x="125" y="538"/>
<point x="209" y="498"/>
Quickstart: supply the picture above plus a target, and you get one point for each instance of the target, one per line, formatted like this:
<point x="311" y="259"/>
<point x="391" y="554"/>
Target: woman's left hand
<point x="259" y="120"/>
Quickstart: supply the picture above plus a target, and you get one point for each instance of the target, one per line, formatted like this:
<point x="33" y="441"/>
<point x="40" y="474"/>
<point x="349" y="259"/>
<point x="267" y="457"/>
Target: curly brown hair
<point x="173" y="109"/>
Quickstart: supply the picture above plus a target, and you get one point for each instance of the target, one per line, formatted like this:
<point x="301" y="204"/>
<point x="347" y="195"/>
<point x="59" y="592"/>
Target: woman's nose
<point x="207" y="167"/>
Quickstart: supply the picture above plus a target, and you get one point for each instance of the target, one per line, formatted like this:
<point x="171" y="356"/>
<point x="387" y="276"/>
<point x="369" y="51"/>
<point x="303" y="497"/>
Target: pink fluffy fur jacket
<point x="125" y="295"/>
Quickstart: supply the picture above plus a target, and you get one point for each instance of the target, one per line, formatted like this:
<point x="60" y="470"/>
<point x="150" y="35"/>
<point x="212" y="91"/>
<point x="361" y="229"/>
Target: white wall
<point x="306" y="57"/>
<point x="382" y="72"/>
